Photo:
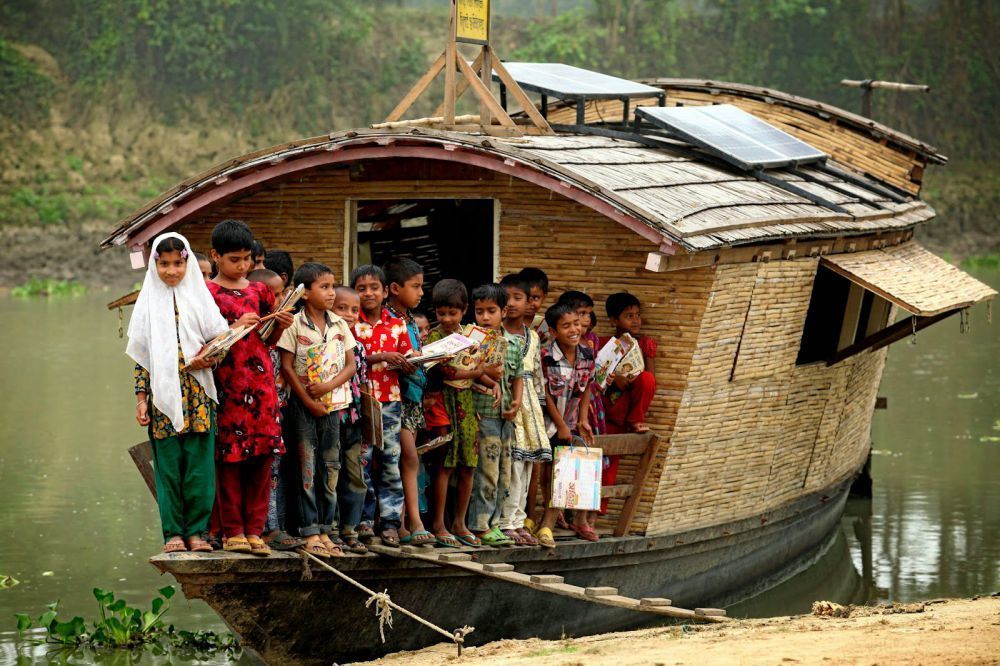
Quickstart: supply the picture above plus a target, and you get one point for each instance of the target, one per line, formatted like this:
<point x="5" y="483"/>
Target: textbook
<point x="443" y="348"/>
<point x="217" y="348"/>
<point x="620" y="356"/>
<point x="290" y="299"/>
<point x="632" y="363"/>
<point x="323" y="362"/>
<point x="469" y="358"/>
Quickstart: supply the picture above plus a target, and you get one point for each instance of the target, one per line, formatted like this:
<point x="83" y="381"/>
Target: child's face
<point x="584" y="312"/>
<point x="423" y="326"/>
<point x="629" y="321"/>
<point x="258" y="262"/>
<point x="410" y="292"/>
<point x="371" y="292"/>
<point x="346" y="306"/>
<point x="517" y="304"/>
<point x="206" y="268"/>
<point x="322" y="293"/>
<point x="568" y="330"/>
<point x="276" y="285"/>
<point x="233" y="265"/>
<point x="450" y="318"/>
<point x="535" y="298"/>
<point x="488" y="314"/>
<point x="171" y="266"/>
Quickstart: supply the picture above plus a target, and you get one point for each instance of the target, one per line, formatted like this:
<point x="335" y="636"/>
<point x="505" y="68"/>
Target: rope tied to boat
<point x="383" y="611"/>
<point x="384" y="605"/>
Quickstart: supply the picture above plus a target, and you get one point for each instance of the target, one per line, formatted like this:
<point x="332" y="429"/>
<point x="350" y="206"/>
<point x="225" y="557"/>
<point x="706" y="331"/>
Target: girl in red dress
<point x="249" y="428"/>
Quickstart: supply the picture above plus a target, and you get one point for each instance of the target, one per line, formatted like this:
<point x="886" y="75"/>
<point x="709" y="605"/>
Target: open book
<point x="443" y="348"/>
<point x="323" y="363"/>
<point x="469" y="358"/>
<point x="290" y="299"/>
<point x="619" y="356"/>
<point x="217" y="348"/>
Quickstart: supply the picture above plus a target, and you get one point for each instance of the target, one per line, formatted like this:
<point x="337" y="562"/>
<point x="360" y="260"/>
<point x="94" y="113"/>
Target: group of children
<point x="248" y="450"/>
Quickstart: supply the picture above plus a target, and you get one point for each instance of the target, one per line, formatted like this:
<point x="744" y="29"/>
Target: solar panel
<point x="733" y="135"/>
<point x="565" y="81"/>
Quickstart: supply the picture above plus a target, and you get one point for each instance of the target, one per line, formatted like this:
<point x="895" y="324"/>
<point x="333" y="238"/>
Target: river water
<point x="74" y="513"/>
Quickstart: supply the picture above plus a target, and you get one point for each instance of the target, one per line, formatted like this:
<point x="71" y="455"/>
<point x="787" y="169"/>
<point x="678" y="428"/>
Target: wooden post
<point x="868" y="85"/>
<point x="450" y="66"/>
<point x="486" y="76"/>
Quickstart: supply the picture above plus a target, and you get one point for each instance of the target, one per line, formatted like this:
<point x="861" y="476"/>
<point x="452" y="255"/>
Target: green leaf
<point x="68" y="631"/>
<point x="46" y="619"/>
<point x="167" y="591"/>
<point x="116" y="606"/>
<point x="148" y="620"/>
<point x="8" y="581"/>
<point x="104" y="596"/>
<point x="23" y="622"/>
<point x="157" y="604"/>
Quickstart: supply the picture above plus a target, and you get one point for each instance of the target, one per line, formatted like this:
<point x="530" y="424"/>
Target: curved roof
<point x="664" y="192"/>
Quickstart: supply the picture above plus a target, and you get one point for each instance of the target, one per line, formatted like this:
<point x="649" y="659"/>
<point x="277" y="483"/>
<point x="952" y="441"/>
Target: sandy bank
<point x="954" y="631"/>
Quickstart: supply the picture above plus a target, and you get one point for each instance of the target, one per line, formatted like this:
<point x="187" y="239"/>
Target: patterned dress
<point x="532" y="443"/>
<point x="460" y="405"/>
<point x="596" y="415"/>
<point x="249" y="416"/>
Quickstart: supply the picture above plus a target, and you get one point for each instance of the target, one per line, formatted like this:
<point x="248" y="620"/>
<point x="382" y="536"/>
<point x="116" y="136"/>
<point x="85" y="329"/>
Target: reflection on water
<point x="76" y="514"/>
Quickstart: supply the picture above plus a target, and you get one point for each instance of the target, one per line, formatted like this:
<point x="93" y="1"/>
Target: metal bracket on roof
<point x="805" y="175"/>
<point x="765" y="177"/>
<point x="885" y="190"/>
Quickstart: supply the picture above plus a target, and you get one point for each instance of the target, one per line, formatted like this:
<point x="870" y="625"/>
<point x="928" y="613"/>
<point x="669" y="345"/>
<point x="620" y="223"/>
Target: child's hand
<point x="318" y="389"/>
<point x="317" y="408"/>
<point x="284" y="319"/>
<point x="398" y="361"/>
<point x="200" y="363"/>
<point x="248" y="319"/>
<point x="142" y="413"/>
<point x="586" y="432"/>
<point x="563" y="433"/>
<point x="511" y="413"/>
<point x="497" y="395"/>
<point x="621" y="382"/>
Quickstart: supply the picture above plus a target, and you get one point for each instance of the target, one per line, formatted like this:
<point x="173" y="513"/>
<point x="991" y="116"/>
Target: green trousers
<point x="184" y="466"/>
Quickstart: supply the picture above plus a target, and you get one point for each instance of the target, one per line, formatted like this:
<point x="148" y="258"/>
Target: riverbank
<point x="943" y="632"/>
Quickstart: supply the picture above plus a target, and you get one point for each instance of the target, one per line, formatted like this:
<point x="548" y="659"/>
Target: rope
<point x="384" y="605"/>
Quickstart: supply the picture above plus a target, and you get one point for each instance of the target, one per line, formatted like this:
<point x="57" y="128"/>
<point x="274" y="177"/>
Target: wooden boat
<point x="772" y="295"/>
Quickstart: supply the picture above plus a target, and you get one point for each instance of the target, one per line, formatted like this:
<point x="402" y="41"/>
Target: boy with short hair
<point x="504" y="367"/>
<point x="423" y="326"/>
<point x="257" y="253"/>
<point x="568" y="367"/>
<point x="538" y="290"/>
<point x="405" y="280"/>
<point x="356" y="453"/>
<point x="387" y="341"/>
<point x="280" y="262"/>
<point x="628" y="398"/>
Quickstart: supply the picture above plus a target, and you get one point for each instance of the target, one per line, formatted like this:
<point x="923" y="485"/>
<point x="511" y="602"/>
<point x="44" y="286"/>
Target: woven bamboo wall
<point x="775" y="430"/>
<point x="902" y="169"/>
<point x="577" y="247"/>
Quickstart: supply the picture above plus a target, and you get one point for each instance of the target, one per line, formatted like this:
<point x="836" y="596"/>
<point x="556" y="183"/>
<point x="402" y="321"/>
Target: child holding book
<point x="249" y="428"/>
<point x="387" y="341"/>
<point x="568" y="368"/>
<point x="531" y="444"/>
<point x="356" y="454"/>
<point x="538" y="289"/>
<point x="317" y="361"/>
<point x="405" y="279"/>
<point x="503" y="371"/>
<point x="452" y="406"/>
<point x="174" y="317"/>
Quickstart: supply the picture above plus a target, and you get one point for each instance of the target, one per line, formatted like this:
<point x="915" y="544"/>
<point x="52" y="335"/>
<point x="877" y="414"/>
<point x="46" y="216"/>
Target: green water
<point x="76" y="515"/>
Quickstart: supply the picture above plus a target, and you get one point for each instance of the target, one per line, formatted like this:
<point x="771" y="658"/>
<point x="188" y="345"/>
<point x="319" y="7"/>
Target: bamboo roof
<point x="666" y="193"/>
<point x="911" y="277"/>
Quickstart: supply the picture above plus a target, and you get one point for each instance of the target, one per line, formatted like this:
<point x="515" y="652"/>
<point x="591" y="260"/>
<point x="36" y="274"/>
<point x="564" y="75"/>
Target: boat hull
<point x="290" y="617"/>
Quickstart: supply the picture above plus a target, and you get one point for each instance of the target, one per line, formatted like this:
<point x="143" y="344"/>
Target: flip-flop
<point x="365" y="532"/>
<point x="354" y="545"/>
<point x="318" y="549"/>
<point x="421" y="537"/>
<point x="530" y="526"/>
<point x="236" y="545"/>
<point x="545" y="538"/>
<point x="527" y="537"/>
<point x="258" y="547"/>
<point x="469" y="539"/>
<point x="390" y="537"/>
<point x="513" y="536"/>
<point x="198" y="545"/>
<point x="447" y="540"/>
<point x="496" y="538"/>
<point x="285" y="541"/>
<point x="175" y="545"/>
<point x="586" y="532"/>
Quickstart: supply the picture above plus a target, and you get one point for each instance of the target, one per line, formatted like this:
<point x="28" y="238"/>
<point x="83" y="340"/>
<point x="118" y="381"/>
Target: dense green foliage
<point x="24" y="92"/>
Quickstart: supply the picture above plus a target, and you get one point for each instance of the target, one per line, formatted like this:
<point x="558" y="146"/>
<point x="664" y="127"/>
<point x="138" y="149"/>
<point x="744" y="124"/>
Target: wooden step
<point x="498" y="567"/>
<point x="710" y="612"/>
<point x="455" y="557"/>
<point x="546" y="579"/>
<point x="654" y="601"/>
<point x="600" y="591"/>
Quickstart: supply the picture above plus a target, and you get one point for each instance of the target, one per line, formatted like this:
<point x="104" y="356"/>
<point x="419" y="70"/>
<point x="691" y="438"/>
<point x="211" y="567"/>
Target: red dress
<point x="249" y="412"/>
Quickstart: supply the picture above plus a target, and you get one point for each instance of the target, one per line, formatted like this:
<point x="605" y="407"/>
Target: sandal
<point x="421" y="537"/>
<point x="365" y="532"/>
<point x="545" y="538"/>
<point x="237" y="544"/>
<point x="513" y="536"/>
<point x="198" y="545"/>
<point x="390" y="537"/>
<point x="174" y="545"/>
<point x="284" y="541"/>
<point x="447" y="540"/>
<point x="561" y="522"/>
<point x="527" y="537"/>
<point x="317" y="548"/>
<point x="586" y="532"/>
<point x="258" y="547"/>
<point x="353" y="545"/>
<point x="529" y="526"/>
<point x="469" y="539"/>
<point x="495" y="538"/>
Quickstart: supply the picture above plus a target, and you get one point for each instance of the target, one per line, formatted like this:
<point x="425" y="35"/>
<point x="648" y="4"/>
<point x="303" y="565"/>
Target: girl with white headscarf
<point x="174" y="316"/>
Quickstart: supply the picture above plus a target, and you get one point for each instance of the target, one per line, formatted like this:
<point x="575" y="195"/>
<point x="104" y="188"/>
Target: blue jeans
<point x="388" y="485"/>
<point x="318" y="443"/>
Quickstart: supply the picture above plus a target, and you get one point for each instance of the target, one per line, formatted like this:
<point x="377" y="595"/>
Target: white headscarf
<point x="152" y="333"/>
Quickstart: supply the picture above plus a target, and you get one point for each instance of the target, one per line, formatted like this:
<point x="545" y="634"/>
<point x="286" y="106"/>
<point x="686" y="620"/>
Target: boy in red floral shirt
<point x="386" y="341"/>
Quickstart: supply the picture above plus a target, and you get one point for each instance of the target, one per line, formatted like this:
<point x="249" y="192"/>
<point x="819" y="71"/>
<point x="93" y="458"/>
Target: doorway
<point x="450" y="238"/>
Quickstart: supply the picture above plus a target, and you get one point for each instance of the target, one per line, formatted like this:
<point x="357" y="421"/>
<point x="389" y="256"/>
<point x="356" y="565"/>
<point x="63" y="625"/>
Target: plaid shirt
<point x="508" y="352"/>
<point x="566" y="383"/>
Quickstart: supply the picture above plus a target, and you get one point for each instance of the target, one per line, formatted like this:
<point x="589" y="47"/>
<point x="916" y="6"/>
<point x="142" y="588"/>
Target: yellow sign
<point x="473" y="21"/>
